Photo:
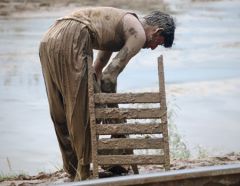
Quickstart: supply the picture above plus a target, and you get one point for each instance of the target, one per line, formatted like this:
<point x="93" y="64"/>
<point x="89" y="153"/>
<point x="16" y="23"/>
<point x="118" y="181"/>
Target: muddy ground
<point x="11" y="7"/>
<point x="61" y="177"/>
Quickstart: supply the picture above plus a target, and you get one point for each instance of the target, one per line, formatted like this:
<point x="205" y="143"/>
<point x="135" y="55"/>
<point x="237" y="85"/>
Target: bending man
<point x="64" y="52"/>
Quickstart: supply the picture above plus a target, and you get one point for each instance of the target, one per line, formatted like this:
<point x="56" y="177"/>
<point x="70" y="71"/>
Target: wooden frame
<point x="134" y="128"/>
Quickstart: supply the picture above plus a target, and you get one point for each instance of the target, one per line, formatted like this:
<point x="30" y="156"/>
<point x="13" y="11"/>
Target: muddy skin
<point x="118" y="63"/>
<point x="107" y="17"/>
<point x="108" y="86"/>
<point x="110" y="74"/>
<point x="132" y="31"/>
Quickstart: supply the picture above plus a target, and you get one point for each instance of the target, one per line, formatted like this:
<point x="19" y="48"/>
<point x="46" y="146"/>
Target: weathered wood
<point x="147" y="97"/>
<point x="91" y="106"/>
<point x="128" y="143"/>
<point x="150" y="128"/>
<point x="164" y="107"/>
<point x="127" y="113"/>
<point x="130" y="159"/>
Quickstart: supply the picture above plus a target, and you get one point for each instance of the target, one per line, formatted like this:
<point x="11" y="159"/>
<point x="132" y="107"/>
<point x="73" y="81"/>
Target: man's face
<point x="156" y="40"/>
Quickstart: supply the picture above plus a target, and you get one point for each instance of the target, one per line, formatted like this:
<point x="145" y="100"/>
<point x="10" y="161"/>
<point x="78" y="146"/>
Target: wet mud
<point x="61" y="177"/>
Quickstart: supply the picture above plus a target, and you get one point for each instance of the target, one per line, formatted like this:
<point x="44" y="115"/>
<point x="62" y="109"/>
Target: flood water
<point x="202" y="73"/>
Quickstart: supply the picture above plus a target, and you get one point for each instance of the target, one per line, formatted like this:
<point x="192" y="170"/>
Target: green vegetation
<point x="201" y="152"/>
<point x="10" y="176"/>
<point x="178" y="148"/>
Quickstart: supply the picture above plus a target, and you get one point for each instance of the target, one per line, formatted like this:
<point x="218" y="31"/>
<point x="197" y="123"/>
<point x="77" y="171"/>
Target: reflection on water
<point x="202" y="74"/>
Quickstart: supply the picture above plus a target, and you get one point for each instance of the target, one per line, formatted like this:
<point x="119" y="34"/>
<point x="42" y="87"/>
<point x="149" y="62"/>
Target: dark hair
<point x="165" y="21"/>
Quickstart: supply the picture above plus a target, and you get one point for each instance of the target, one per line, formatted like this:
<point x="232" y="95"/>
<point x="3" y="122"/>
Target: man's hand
<point x="97" y="77"/>
<point x="96" y="83"/>
<point x="108" y="83"/>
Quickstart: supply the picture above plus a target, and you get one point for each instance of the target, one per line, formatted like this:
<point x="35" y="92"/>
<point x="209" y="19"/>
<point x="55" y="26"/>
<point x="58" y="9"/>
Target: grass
<point x="10" y="176"/>
<point x="178" y="147"/>
<point x="201" y="152"/>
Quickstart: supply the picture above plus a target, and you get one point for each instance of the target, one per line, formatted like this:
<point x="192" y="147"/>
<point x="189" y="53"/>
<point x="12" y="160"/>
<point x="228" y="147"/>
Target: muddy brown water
<point x="202" y="76"/>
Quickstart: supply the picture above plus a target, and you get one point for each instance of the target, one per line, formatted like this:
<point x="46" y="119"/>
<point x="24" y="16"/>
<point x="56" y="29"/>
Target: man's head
<point x="160" y="29"/>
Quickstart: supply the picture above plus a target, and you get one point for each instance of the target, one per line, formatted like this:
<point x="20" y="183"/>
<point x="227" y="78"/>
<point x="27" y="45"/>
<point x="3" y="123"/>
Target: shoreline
<point x="60" y="176"/>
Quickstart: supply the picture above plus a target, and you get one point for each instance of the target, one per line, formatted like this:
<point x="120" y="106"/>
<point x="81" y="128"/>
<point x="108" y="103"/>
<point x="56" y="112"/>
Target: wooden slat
<point x="128" y="143"/>
<point x="125" y="113"/>
<point x="92" y="118"/>
<point x="164" y="106"/>
<point x="147" y="97"/>
<point x="150" y="128"/>
<point x="130" y="159"/>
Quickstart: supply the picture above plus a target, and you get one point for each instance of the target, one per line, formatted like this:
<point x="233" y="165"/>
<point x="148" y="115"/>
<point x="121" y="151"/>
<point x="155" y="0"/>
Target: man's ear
<point x="158" y="31"/>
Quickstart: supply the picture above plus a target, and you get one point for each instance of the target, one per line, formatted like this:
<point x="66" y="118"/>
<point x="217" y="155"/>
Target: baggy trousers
<point x="64" y="52"/>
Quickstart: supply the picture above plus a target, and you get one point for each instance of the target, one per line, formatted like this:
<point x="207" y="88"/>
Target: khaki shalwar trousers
<point x="64" y="52"/>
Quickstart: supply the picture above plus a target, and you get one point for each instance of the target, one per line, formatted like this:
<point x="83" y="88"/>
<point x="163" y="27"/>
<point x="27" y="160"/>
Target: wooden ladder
<point x="159" y="126"/>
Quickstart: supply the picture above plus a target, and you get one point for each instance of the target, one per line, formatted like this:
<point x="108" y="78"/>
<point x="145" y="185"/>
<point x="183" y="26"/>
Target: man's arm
<point x="135" y="39"/>
<point x="101" y="61"/>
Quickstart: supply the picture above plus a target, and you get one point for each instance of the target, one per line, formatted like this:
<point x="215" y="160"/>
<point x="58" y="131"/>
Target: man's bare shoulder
<point x="133" y="28"/>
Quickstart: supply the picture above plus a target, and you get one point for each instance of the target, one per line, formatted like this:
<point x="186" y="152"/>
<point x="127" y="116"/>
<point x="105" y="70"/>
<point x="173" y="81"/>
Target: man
<point x="64" y="52"/>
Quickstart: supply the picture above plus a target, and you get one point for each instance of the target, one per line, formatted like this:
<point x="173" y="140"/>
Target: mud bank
<point x="61" y="177"/>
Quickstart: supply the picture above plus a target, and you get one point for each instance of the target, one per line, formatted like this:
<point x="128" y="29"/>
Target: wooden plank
<point x="130" y="159"/>
<point x="128" y="143"/>
<point x="164" y="106"/>
<point x="91" y="106"/>
<point x="127" y="113"/>
<point x="150" y="128"/>
<point x="147" y="97"/>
